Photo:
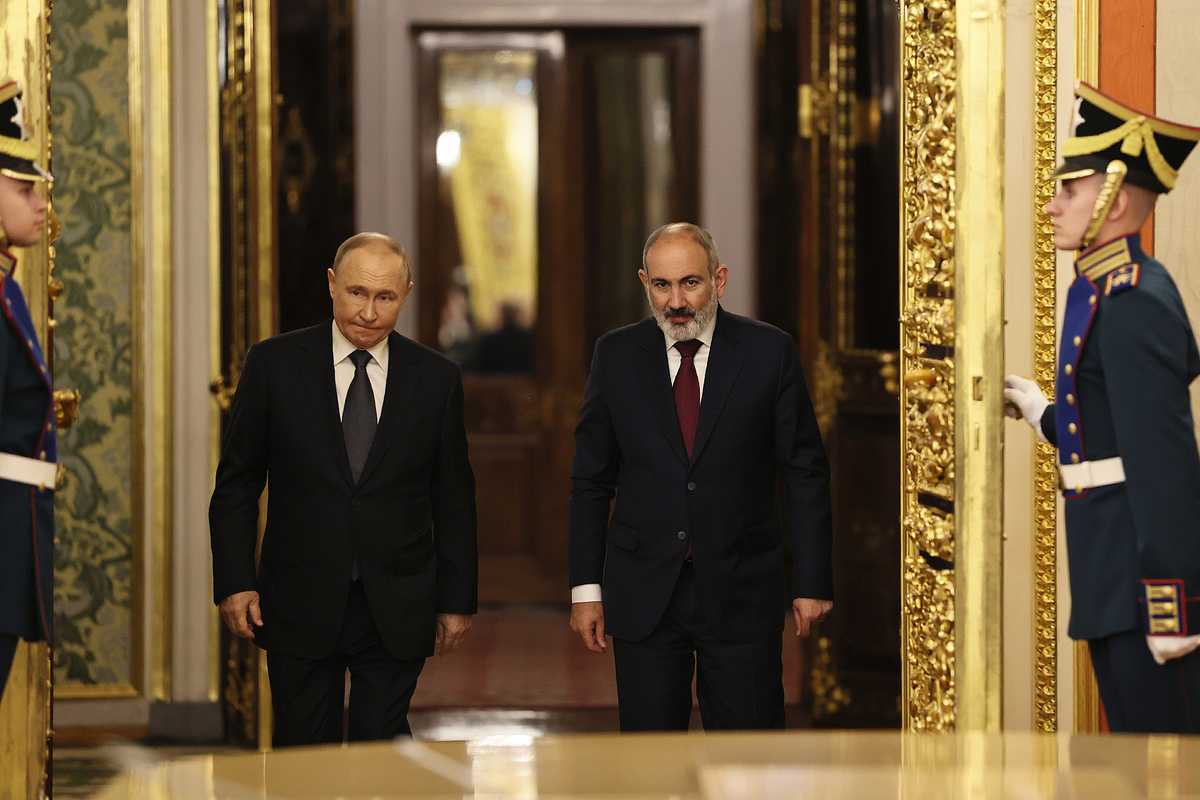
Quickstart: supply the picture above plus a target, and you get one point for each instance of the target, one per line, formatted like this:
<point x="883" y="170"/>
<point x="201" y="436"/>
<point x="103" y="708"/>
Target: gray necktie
<point x="358" y="415"/>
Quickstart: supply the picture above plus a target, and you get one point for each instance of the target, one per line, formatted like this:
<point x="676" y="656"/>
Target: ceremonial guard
<point x="1122" y="421"/>
<point x="27" y="440"/>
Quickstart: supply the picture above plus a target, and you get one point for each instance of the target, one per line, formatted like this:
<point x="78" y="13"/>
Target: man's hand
<point x="238" y="610"/>
<point x="1024" y="400"/>
<point x="587" y="619"/>
<point x="809" y="611"/>
<point x="451" y="628"/>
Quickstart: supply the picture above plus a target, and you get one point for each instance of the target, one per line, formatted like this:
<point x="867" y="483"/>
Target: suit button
<point x="1072" y="429"/>
<point x="691" y="486"/>
<point x="682" y="535"/>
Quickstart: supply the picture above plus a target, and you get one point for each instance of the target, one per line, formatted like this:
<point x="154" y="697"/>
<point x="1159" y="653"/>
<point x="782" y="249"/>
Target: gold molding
<point x="245" y="286"/>
<point x="213" y="101"/>
<point x="1087" y="702"/>
<point x="979" y="367"/>
<point x="97" y="691"/>
<point x="263" y="190"/>
<point x="827" y="387"/>
<point x="1087" y="41"/>
<point x="1087" y="69"/>
<point x="843" y="88"/>
<point x="1045" y="298"/>
<point x="927" y="330"/>
<point x="952" y="348"/>
<point x="151" y="254"/>
<point x="829" y="696"/>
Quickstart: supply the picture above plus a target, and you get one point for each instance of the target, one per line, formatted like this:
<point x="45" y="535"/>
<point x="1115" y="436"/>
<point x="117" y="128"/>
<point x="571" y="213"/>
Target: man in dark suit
<point x="692" y="419"/>
<point x="27" y="433"/>
<point x="1122" y="421"/>
<point x="368" y="562"/>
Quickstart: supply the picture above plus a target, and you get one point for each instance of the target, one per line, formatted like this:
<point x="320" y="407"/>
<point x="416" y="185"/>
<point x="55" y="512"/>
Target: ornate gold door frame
<point x="246" y="294"/>
<point x="952" y="244"/>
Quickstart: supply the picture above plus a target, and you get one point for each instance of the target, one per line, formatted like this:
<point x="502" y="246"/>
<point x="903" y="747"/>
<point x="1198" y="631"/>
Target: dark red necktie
<point x="687" y="392"/>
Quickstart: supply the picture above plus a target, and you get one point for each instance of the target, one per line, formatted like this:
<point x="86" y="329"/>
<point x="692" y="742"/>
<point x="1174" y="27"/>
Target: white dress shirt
<point x="343" y="369"/>
<point x="590" y="592"/>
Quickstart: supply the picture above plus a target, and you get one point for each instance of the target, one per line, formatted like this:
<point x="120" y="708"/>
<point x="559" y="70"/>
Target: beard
<point x="682" y="332"/>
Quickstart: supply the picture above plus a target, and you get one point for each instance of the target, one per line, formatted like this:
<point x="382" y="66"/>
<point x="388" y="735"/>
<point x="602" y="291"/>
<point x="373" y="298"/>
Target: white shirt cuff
<point x="586" y="593"/>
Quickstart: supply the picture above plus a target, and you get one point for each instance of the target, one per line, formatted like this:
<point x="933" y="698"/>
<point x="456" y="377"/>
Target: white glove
<point x="1025" y="396"/>
<point x="1164" y="648"/>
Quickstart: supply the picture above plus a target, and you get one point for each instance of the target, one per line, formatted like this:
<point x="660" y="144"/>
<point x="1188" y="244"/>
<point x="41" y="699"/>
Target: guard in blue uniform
<point x="1122" y="421"/>
<point x="27" y="445"/>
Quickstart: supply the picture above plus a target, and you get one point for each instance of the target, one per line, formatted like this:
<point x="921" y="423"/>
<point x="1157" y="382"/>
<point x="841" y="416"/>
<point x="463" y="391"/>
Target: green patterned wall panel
<point x="93" y="343"/>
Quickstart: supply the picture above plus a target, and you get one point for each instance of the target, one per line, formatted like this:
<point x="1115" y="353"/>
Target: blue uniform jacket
<point x="1127" y="357"/>
<point x="26" y="429"/>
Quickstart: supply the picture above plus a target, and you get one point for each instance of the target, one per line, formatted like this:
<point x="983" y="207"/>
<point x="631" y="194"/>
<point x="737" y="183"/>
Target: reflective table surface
<point x="833" y="764"/>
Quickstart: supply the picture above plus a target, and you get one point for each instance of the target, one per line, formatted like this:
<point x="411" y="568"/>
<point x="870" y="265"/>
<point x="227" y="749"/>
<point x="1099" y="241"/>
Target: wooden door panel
<point x="829" y="68"/>
<point x="504" y="466"/>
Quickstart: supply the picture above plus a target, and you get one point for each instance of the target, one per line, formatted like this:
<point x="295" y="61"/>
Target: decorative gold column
<point x="952" y="160"/>
<point x="1045" y="270"/>
<point x="979" y="363"/>
<point x="927" y="176"/>
<point x="1087" y="69"/>
<point x="150" y="101"/>
<point x="245" y="292"/>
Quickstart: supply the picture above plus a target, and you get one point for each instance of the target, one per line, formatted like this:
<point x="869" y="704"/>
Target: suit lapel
<point x="320" y="355"/>
<point x="401" y="384"/>
<point x="724" y="364"/>
<point x="656" y="380"/>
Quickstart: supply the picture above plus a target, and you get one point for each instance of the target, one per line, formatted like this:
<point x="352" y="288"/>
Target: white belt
<point x="1090" y="474"/>
<point x="43" y="474"/>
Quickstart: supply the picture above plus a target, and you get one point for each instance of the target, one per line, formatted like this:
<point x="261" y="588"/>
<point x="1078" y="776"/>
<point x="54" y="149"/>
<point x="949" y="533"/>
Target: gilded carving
<point x="928" y="76"/>
<point x="1045" y="488"/>
<point x="827" y="387"/>
<point x="829" y="696"/>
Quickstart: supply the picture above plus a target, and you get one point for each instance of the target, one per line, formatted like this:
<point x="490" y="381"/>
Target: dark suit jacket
<point x="1129" y="377"/>
<point x="756" y="427"/>
<point x="26" y="429"/>
<point x="410" y="520"/>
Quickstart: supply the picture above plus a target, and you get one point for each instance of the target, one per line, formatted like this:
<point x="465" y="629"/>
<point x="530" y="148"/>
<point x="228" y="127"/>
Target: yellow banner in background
<point x="493" y="187"/>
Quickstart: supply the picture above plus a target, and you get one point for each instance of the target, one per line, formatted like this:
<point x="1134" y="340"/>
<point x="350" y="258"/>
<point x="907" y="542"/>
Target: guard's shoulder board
<point x="1122" y="279"/>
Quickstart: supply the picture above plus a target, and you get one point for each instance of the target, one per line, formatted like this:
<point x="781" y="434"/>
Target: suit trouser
<point x="8" y="649"/>
<point x="307" y="694"/>
<point x="739" y="683"/>
<point x="1139" y="695"/>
